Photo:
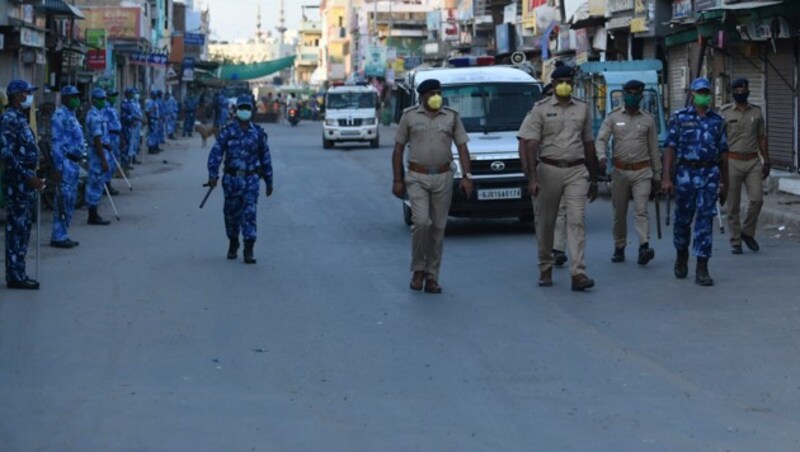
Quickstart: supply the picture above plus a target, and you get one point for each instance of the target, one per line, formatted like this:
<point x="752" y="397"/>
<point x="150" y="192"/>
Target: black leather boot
<point x="95" y="218"/>
<point x="646" y="254"/>
<point x="682" y="264"/>
<point x="701" y="276"/>
<point x="233" y="247"/>
<point x="248" y="252"/>
<point x="619" y="255"/>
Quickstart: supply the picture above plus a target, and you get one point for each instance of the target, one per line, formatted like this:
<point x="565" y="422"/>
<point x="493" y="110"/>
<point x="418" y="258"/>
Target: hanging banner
<point x="120" y="22"/>
<point x="187" y="72"/>
<point x="96" y="55"/>
<point x="194" y="39"/>
<point x="375" y="64"/>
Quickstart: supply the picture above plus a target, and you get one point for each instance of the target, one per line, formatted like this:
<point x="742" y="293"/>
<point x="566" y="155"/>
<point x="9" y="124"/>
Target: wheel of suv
<point x="327" y="144"/>
<point x="374" y="144"/>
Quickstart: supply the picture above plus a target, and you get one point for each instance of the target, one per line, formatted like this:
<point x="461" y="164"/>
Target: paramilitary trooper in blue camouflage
<point x="114" y="136"/>
<point x="154" y="118"/>
<point x="20" y="155"/>
<point x="243" y="147"/>
<point x="697" y="140"/>
<point x="68" y="146"/>
<point x="131" y="118"/>
<point x="97" y="133"/>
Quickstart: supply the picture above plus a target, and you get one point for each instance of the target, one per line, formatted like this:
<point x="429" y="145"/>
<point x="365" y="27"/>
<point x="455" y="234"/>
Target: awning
<point x="747" y="5"/>
<point x="60" y="8"/>
<point x="254" y="70"/>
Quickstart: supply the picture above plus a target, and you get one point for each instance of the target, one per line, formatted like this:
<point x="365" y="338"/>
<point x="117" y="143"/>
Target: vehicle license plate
<point x="499" y="193"/>
<point x="349" y="133"/>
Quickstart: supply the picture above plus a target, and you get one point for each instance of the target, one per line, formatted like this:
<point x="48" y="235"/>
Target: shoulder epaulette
<point x="726" y="107"/>
<point x="579" y="100"/>
<point x="411" y="108"/>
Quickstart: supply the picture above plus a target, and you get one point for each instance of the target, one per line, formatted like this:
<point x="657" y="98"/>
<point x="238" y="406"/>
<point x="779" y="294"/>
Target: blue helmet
<point x="244" y="99"/>
<point x="19" y="86"/>
<point x="69" y="90"/>
<point x="98" y="93"/>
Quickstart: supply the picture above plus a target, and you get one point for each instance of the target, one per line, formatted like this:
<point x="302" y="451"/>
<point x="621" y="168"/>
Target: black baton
<point x="658" y="215"/>
<point x="208" y="193"/>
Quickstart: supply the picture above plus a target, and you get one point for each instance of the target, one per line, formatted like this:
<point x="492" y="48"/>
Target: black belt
<point x="561" y="163"/>
<point x="240" y="173"/>
<point x="74" y="158"/>
<point x="115" y="132"/>
<point x="698" y="164"/>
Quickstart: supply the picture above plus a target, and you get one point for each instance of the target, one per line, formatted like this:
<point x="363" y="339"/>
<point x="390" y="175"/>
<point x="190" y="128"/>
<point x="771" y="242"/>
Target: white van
<point x="492" y="102"/>
<point x="351" y="114"/>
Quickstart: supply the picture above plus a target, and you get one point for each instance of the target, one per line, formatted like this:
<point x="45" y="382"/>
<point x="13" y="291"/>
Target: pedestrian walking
<point x="746" y="139"/>
<point x="20" y="155"/>
<point x="698" y="141"/>
<point x="100" y="142"/>
<point x="243" y="147"/>
<point x="131" y="118"/>
<point x="560" y="234"/>
<point x="636" y="172"/>
<point x="561" y="163"/>
<point x="114" y="136"/>
<point x="68" y="146"/>
<point x="430" y="130"/>
<point x="153" y="112"/>
<point x="189" y="115"/>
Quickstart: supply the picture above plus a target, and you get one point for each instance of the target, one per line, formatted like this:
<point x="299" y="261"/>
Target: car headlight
<point x="330" y="122"/>
<point x="369" y="121"/>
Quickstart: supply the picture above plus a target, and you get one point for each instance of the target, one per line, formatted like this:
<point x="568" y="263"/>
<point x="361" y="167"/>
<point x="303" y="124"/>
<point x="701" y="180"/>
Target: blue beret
<point x="700" y="83"/>
<point x="562" y="72"/>
<point x="428" y="85"/>
<point x="740" y="83"/>
<point x="130" y="91"/>
<point x="244" y="99"/>
<point x="19" y="86"/>
<point x="633" y="85"/>
<point x="98" y="93"/>
<point x="69" y="90"/>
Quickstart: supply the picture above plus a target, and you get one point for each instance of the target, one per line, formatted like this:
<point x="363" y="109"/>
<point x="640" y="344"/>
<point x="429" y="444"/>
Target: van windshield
<point x="492" y="107"/>
<point x="341" y="101"/>
<point x="649" y="104"/>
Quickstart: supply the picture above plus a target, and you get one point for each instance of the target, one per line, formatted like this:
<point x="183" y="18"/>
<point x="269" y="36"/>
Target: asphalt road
<point x="146" y="338"/>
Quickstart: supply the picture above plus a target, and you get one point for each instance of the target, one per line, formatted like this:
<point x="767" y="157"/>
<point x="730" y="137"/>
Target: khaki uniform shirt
<point x="744" y="127"/>
<point x="430" y="138"/>
<point x="560" y="131"/>
<point x="635" y="138"/>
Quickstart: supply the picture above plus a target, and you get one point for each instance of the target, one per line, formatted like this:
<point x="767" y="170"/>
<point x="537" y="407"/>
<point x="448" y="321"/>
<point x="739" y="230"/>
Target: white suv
<point x="351" y="114"/>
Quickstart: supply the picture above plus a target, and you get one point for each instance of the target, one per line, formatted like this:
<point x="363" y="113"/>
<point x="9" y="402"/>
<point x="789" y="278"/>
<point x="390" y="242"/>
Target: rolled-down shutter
<point x="781" y="132"/>
<point x="679" y="74"/>
<point x="751" y="68"/>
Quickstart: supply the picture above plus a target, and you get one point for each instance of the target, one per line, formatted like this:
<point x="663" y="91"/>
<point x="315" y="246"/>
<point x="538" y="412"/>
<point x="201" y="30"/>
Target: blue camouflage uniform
<point x="172" y="115"/>
<point x="153" y="123"/>
<point x="131" y="119"/>
<point x="247" y="159"/>
<point x="162" y="125"/>
<point x="114" y="133"/>
<point x="220" y="111"/>
<point x="20" y="154"/>
<point x="189" y="115"/>
<point x="699" y="142"/>
<point x="96" y="126"/>
<point x="68" y="148"/>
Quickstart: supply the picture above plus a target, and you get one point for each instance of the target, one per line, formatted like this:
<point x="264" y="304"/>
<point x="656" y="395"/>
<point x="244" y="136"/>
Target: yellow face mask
<point x="563" y="89"/>
<point x="435" y="102"/>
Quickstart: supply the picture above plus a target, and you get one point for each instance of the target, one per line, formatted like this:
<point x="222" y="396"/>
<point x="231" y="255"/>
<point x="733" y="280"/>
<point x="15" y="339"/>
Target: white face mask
<point x="244" y="115"/>
<point x="27" y="102"/>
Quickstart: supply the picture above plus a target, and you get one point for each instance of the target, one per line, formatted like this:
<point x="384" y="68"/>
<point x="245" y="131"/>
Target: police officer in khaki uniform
<point x="560" y="240"/>
<point x="561" y="163"/>
<point x="746" y="137"/>
<point x="430" y="130"/>
<point x="636" y="168"/>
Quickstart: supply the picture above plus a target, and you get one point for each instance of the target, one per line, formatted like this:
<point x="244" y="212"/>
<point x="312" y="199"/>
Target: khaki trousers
<point x="430" y="196"/>
<point x="571" y="184"/>
<point x="560" y="235"/>
<point x="747" y="173"/>
<point x="623" y="184"/>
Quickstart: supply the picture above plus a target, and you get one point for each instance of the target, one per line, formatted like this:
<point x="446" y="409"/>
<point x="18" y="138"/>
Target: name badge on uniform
<point x="733" y="120"/>
<point x="620" y="123"/>
<point x="688" y="124"/>
<point x="550" y="115"/>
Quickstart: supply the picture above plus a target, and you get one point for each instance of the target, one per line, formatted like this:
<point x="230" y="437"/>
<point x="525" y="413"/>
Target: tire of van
<point x="327" y="144"/>
<point x="374" y="144"/>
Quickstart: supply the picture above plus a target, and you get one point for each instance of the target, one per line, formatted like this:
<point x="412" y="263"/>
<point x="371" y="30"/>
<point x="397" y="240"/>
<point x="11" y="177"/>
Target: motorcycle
<point x="294" y="117"/>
